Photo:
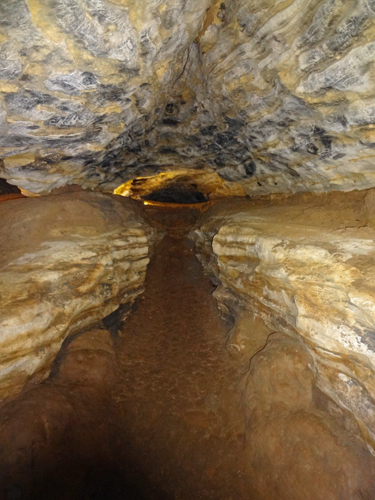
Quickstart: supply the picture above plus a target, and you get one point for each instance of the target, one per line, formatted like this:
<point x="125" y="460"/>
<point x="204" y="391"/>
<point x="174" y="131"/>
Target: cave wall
<point x="303" y="265"/>
<point x="278" y="96"/>
<point x="66" y="262"/>
<point x="300" y="443"/>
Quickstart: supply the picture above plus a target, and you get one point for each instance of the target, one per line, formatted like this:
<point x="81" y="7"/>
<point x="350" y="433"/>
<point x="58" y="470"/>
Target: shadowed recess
<point x="6" y="188"/>
<point x="177" y="194"/>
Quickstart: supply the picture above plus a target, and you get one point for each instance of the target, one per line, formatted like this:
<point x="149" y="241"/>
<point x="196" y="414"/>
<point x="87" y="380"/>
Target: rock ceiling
<point x="274" y="95"/>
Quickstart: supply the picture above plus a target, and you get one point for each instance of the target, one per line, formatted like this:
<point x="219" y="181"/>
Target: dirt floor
<point x="152" y="411"/>
<point x="179" y="396"/>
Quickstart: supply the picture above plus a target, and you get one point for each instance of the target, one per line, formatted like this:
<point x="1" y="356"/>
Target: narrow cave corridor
<point x="187" y="249"/>
<point x="151" y="412"/>
<point x="157" y="401"/>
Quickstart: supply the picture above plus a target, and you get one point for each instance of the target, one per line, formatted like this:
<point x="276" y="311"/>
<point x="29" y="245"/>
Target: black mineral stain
<point x="250" y="168"/>
<point x="225" y="139"/>
<point x="27" y="100"/>
<point x="209" y="130"/>
<point x="166" y="150"/>
<point x="171" y="122"/>
<point x="171" y="108"/>
<point x="234" y="125"/>
<point x="312" y="149"/>
<point x="325" y="139"/>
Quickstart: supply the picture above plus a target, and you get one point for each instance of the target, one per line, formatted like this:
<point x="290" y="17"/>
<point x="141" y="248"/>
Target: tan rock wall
<point x="305" y="266"/>
<point x="66" y="262"/>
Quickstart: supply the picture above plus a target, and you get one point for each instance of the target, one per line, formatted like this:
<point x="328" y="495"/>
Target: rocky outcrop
<point x="81" y="85"/>
<point x="304" y="265"/>
<point x="66" y="262"/>
<point x="276" y="96"/>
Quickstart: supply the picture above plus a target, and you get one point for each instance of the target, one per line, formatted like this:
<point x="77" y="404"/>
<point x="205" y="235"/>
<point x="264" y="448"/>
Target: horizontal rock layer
<point x="66" y="262"/>
<point x="305" y="266"/>
<point x="278" y="96"/>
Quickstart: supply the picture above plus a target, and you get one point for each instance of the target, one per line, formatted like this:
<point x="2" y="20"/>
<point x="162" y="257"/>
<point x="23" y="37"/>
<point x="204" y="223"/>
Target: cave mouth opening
<point x="179" y="187"/>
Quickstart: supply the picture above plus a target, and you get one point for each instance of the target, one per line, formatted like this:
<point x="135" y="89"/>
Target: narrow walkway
<point x="179" y="397"/>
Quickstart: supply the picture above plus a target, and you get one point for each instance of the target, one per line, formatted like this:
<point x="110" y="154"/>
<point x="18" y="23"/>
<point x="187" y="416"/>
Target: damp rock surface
<point x="300" y="444"/>
<point x="272" y="96"/>
<point x="66" y="261"/>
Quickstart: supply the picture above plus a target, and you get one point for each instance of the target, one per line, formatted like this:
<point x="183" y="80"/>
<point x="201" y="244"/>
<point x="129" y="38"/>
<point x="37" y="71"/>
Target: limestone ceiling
<point x="275" y="95"/>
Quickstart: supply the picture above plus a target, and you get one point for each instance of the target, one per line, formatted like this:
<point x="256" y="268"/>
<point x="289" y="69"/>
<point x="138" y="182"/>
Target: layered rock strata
<point x="66" y="261"/>
<point x="278" y="96"/>
<point x="303" y="265"/>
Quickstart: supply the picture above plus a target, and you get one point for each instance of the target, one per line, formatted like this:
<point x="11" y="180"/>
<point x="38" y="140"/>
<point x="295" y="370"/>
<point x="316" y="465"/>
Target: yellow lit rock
<point x="305" y="266"/>
<point x="18" y="160"/>
<point x="87" y="263"/>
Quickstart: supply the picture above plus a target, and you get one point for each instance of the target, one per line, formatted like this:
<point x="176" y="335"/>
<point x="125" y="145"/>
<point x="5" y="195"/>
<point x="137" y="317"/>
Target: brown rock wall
<point x="305" y="266"/>
<point x="66" y="262"/>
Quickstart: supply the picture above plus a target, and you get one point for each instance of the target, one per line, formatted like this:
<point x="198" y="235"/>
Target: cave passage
<point x="152" y="413"/>
<point x="177" y="194"/>
<point x="181" y="394"/>
<point x="165" y="399"/>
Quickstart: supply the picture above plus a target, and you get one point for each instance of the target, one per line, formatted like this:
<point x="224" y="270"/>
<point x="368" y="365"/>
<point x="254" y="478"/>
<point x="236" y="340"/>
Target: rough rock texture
<point x="305" y="266"/>
<point x="50" y="435"/>
<point x="300" y="444"/>
<point x="157" y="411"/>
<point x="278" y="96"/>
<point x="66" y="261"/>
<point x="152" y="413"/>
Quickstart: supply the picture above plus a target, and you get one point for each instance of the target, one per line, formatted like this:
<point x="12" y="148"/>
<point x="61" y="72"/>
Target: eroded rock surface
<point x="66" y="261"/>
<point x="300" y="444"/>
<point x="278" y="96"/>
<point x="305" y="266"/>
<point x="152" y="413"/>
<point x="53" y="435"/>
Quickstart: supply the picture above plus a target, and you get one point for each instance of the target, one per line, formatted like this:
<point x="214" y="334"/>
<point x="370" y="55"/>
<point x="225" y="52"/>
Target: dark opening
<point x="177" y="194"/>
<point x="6" y="188"/>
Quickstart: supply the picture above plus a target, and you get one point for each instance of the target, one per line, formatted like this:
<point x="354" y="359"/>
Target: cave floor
<point x="153" y="413"/>
<point x="179" y="388"/>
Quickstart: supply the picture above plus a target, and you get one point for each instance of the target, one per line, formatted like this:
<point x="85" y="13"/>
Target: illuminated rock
<point x="276" y="96"/>
<point x="66" y="262"/>
<point x="305" y="266"/>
